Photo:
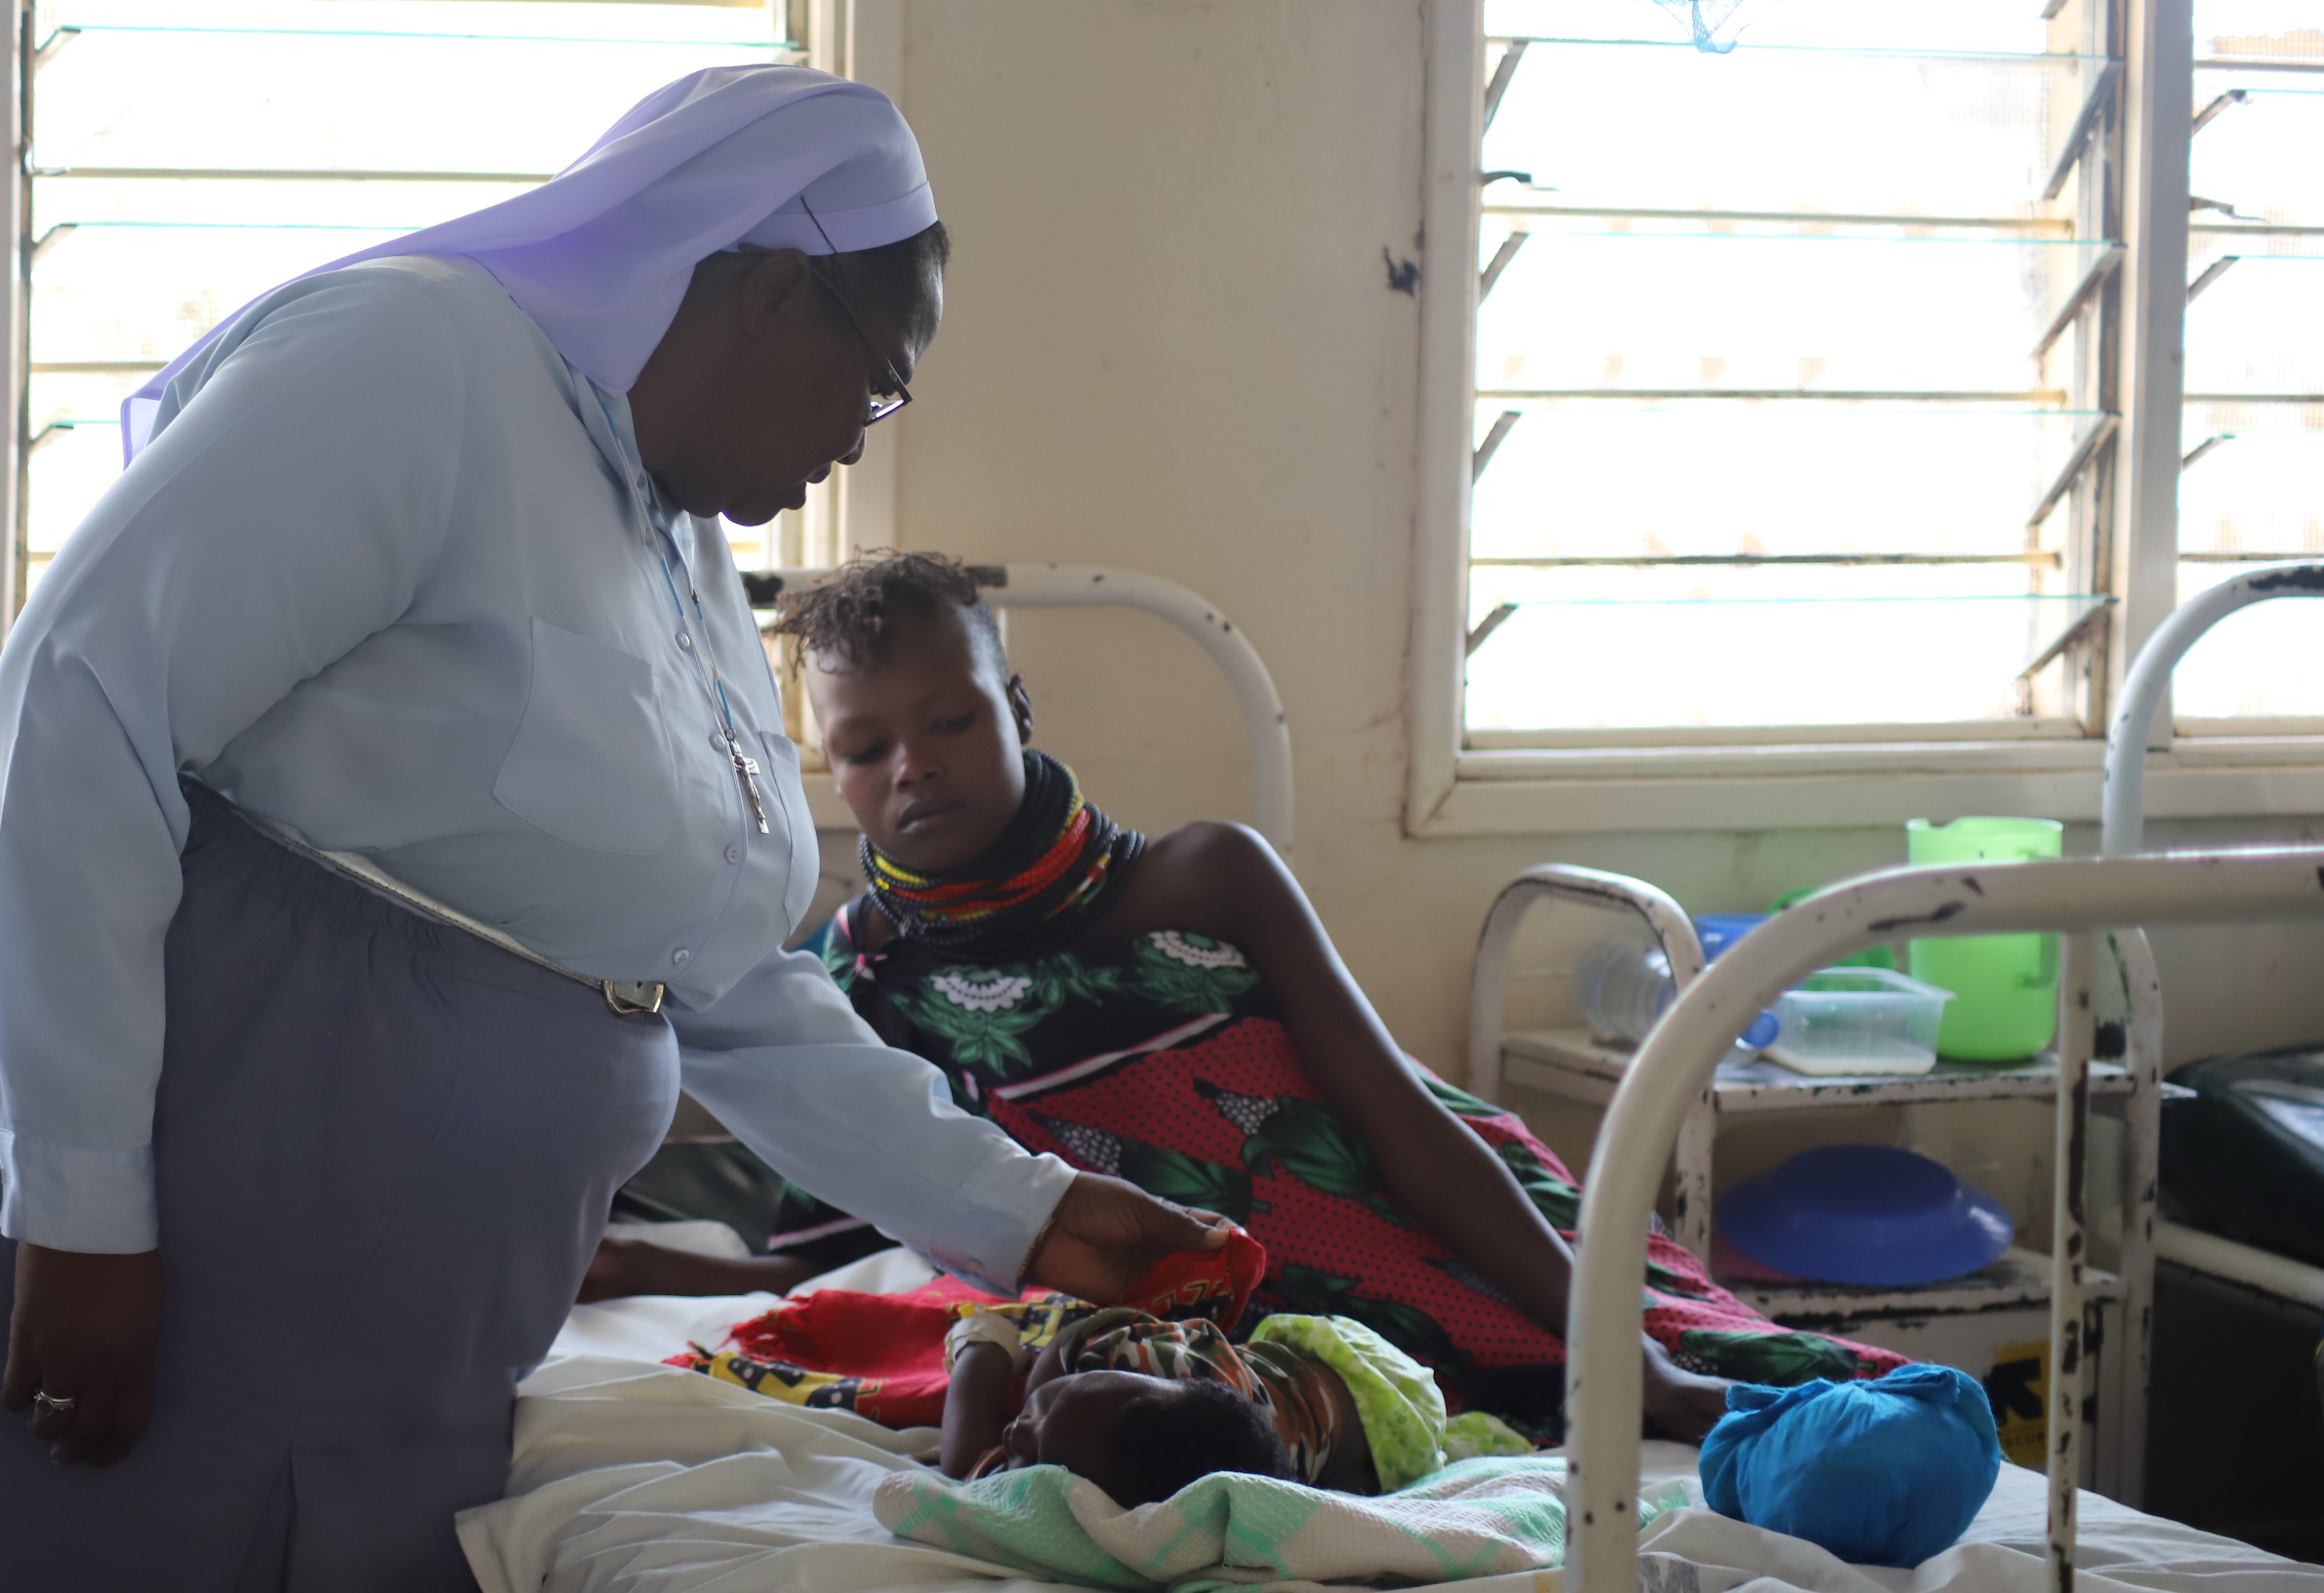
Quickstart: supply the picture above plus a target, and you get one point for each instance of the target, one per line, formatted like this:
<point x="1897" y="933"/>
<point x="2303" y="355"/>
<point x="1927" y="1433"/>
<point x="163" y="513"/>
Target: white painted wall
<point x="1171" y="344"/>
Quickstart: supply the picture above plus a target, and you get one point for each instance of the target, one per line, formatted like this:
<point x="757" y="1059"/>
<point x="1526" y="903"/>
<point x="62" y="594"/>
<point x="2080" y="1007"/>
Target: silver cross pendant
<point x="746" y="770"/>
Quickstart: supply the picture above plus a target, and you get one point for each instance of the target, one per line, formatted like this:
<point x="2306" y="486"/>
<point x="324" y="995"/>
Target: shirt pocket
<point x="807" y="853"/>
<point x="591" y="761"/>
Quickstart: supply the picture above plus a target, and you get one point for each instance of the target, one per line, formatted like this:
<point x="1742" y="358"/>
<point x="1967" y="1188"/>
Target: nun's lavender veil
<point x="601" y="254"/>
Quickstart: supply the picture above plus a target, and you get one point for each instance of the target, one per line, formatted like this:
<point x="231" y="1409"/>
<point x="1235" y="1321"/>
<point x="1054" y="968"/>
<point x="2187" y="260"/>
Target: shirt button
<point x="733" y="854"/>
<point x="718" y="741"/>
<point x="680" y="955"/>
<point x="684" y="640"/>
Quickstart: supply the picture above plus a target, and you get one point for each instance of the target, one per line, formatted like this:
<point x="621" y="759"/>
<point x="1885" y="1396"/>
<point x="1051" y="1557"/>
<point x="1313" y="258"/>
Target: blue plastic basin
<point x="1865" y="1214"/>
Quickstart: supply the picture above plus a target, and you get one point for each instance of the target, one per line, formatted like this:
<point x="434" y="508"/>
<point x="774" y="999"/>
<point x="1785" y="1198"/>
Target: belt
<point x="624" y="997"/>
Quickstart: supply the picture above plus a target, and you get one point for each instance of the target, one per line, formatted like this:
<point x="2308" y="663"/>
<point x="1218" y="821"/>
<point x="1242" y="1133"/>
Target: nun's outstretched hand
<point x="80" y="1349"/>
<point x="1107" y="1233"/>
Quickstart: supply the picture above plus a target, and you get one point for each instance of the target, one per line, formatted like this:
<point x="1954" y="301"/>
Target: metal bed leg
<point x="2071" y="1319"/>
<point x="2124" y="1415"/>
<point x="1693" y="1160"/>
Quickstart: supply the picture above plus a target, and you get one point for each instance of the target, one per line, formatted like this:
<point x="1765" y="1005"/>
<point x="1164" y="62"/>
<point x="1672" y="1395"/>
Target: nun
<point x="395" y="813"/>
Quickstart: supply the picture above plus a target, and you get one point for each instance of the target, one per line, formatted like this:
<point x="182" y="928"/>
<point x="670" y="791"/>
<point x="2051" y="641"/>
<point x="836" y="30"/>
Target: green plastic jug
<point x="2005" y="1004"/>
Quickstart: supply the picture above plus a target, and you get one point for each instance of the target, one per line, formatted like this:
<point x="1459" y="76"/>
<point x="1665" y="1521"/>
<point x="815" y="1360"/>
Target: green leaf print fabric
<point x="1163" y="1058"/>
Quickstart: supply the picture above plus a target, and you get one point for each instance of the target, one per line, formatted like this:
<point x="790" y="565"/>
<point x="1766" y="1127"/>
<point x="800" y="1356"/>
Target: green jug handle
<point x="2048" y="976"/>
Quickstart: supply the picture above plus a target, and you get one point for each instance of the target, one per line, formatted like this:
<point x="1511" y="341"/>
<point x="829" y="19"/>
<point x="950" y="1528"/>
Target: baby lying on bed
<point x="1142" y="1406"/>
<point x="1138" y="1403"/>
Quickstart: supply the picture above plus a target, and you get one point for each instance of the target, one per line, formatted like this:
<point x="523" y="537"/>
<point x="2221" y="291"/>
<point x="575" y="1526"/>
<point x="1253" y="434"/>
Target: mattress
<point x="633" y="1477"/>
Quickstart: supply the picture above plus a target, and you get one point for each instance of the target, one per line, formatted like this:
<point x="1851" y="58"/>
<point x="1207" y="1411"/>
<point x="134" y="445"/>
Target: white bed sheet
<point x="632" y="1478"/>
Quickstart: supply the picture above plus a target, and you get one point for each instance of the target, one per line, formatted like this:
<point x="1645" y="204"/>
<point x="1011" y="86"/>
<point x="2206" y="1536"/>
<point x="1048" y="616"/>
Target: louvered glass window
<point x="2253" y="491"/>
<point x="1789" y="373"/>
<point x="189" y="154"/>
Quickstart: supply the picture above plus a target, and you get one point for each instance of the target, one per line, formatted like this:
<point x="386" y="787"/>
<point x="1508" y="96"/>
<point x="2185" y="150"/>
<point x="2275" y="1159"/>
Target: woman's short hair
<point x="1164" y="1440"/>
<point x="852" y="615"/>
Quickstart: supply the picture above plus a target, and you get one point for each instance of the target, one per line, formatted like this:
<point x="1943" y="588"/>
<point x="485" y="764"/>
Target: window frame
<point x="1463" y="785"/>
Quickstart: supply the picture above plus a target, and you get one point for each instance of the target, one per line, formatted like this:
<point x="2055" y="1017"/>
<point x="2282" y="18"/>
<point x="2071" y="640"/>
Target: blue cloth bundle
<point x="1881" y="1473"/>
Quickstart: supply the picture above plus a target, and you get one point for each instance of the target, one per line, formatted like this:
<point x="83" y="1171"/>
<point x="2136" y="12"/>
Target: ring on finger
<point x="50" y="1403"/>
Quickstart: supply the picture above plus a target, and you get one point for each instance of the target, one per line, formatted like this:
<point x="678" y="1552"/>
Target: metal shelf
<point x="2019" y="1280"/>
<point x="1576" y="1065"/>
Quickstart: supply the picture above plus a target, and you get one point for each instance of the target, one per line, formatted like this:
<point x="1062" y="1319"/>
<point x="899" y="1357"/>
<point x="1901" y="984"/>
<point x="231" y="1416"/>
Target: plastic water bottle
<point x="1622" y="987"/>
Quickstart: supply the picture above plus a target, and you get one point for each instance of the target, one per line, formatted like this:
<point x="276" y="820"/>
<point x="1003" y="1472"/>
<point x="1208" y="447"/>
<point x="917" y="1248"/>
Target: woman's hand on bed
<point x="83" y="1330"/>
<point x="1680" y="1405"/>
<point x="1107" y="1233"/>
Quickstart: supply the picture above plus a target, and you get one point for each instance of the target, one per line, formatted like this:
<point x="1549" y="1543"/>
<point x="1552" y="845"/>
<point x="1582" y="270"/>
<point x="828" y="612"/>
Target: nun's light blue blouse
<point x="389" y="573"/>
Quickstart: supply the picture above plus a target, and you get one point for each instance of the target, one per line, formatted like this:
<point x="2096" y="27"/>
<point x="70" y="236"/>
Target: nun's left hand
<point x="80" y="1349"/>
<point x="1107" y="1233"/>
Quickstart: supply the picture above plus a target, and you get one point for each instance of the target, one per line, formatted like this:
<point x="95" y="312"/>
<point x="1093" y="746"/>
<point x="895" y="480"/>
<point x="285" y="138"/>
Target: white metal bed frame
<point x="2082" y="898"/>
<point x="1092" y="585"/>
<point x="2122" y="832"/>
<point x="1665" y="920"/>
<point x="2094" y="901"/>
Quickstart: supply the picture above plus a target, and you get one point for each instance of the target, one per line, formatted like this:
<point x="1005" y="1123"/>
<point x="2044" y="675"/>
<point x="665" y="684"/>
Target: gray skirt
<point x="384" y="1154"/>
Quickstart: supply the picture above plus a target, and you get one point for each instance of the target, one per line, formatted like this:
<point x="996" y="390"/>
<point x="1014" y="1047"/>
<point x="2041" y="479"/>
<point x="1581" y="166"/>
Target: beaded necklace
<point x="1055" y="870"/>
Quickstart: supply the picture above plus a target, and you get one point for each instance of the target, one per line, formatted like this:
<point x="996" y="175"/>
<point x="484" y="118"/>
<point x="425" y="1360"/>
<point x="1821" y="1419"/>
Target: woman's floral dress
<point x="1161" y="1059"/>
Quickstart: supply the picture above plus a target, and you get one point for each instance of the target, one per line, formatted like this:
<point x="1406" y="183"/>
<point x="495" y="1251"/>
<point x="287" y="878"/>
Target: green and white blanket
<point x="1474" y="1518"/>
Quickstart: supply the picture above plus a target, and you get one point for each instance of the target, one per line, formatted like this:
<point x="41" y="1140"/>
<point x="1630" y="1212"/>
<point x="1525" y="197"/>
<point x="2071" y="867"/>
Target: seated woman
<point x="1171" y="1011"/>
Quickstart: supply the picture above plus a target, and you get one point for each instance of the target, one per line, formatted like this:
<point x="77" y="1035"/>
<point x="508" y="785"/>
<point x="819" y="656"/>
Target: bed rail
<point x="1667" y="921"/>
<point x="2122" y="806"/>
<point x="1092" y="586"/>
<point x="2123" y="831"/>
<point x="2077" y="897"/>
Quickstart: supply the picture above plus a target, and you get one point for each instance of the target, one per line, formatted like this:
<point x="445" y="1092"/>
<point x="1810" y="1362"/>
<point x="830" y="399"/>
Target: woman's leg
<point x="384" y="1154"/>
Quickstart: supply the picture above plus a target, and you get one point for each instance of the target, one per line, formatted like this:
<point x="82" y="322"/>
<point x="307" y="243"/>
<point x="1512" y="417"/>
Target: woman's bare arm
<point x="1223" y="880"/>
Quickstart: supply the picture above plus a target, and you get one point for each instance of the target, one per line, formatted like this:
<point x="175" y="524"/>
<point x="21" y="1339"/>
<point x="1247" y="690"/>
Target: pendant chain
<point x="713" y="685"/>
<point x="705" y="656"/>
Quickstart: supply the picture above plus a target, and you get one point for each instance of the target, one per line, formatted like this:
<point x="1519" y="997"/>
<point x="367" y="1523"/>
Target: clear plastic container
<point x="1849" y="1021"/>
<point x="1622" y="987"/>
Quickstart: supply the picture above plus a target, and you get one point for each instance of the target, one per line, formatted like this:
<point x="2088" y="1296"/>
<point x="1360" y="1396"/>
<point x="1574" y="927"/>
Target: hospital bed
<point x="630" y="1477"/>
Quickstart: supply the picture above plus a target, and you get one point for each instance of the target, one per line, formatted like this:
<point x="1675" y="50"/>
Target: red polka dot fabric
<point x="1162" y="1060"/>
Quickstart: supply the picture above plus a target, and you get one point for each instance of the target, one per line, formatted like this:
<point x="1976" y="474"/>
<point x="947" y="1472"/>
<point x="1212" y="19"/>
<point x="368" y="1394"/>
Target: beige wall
<point x="1171" y="344"/>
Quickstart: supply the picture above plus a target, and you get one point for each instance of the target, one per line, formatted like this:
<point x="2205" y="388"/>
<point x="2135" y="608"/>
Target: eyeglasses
<point x="880" y="406"/>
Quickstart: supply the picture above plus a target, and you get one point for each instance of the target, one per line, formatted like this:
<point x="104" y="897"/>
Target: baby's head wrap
<point x="602" y="253"/>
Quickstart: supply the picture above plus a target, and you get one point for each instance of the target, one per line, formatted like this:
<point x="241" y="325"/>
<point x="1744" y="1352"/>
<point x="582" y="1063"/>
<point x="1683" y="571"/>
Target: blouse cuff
<point x="987" y="1238"/>
<point x="70" y="1198"/>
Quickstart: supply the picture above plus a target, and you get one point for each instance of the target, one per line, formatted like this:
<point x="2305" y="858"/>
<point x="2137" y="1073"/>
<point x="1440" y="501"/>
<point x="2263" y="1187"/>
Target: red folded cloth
<point x="882" y="1356"/>
<point x="1215" y="1284"/>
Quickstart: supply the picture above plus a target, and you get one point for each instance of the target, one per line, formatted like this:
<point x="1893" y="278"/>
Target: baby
<point x="1138" y="1402"/>
<point x="1142" y="1406"/>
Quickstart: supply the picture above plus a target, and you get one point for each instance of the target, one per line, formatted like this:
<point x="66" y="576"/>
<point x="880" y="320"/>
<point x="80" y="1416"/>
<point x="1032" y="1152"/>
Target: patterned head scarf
<point x="602" y="253"/>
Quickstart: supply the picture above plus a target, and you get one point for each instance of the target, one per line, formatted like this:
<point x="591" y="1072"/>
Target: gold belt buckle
<point x="626" y="999"/>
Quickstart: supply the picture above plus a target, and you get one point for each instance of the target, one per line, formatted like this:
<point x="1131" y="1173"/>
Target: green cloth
<point x="1397" y="1400"/>
<point x="1472" y="1433"/>
<point x="1478" y="1518"/>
